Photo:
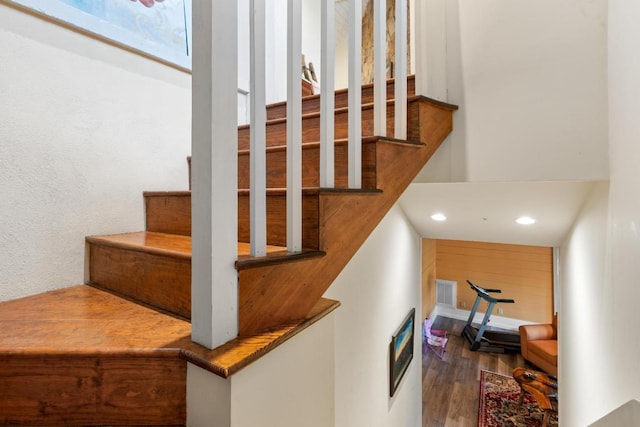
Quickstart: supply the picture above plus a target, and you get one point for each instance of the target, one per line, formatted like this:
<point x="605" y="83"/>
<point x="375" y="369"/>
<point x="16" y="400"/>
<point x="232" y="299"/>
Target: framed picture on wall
<point x="160" y="29"/>
<point x="401" y="351"/>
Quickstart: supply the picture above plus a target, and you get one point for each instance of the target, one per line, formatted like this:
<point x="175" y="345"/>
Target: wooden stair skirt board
<point x="75" y="357"/>
<point x="273" y="295"/>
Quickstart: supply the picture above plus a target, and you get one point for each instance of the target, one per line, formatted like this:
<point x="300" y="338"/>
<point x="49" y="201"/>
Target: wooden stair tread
<point x="174" y="245"/>
<point x="82" y="320"/>
<point x="275" y="255"/>
<point x="171" y="245"/>
<point x="86" y="320"/>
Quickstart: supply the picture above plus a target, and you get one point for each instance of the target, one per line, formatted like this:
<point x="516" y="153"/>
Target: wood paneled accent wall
<point x="428" y="276"/>
<point x="524" y="273"/>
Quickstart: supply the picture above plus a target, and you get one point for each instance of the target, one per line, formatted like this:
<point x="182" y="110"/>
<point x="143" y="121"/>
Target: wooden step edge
<point x="246" y="262"/>
<point x="143" y="352"/>
<point x="135" y="242"/>
<point x="307" y="191"/>
<point x="364" y="191"/>
<point x="231" y="357"/>
<point x="433" y="101"/>
<point x="403" y="142"/>
<point x="313" y="191"/>
<point x="309" y="145"/>
<point x="174" y="193"/>
<point x="345" y="110"/>
<point x="339" y="92"/>
<point x="369" y="139"/>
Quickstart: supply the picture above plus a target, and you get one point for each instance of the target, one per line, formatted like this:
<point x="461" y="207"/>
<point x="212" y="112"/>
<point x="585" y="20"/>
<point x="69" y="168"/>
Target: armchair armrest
<point x="537" y="332"/>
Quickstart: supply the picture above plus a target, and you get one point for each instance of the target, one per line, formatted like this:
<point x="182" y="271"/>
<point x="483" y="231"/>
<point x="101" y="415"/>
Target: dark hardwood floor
<point x="450" y="387"/>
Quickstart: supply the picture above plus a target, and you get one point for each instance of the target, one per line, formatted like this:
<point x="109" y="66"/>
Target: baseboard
<point x="494" y="321"/>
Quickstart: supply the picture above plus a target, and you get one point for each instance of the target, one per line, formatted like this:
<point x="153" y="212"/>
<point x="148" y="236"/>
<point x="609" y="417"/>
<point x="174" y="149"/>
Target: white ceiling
<point x="487" y="211"/>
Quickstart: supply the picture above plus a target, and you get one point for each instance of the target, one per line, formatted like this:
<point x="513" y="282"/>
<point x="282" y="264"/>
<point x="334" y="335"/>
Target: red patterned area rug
<point x="499" y="406"/>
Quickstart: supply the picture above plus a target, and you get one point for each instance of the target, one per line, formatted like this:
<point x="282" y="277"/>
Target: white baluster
<point x="355" y="93"/>
<point x="327" y="97"/>
<point x="380" y="67"/>
<point x="294" y="126"/>
<point x="258" y="173"/>
<point x="400" y="128"/>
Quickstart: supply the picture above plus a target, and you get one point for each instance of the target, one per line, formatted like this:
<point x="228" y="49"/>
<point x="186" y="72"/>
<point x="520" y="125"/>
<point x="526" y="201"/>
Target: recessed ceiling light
<point x="525" y="220"/>
<point x="438" y="217"/>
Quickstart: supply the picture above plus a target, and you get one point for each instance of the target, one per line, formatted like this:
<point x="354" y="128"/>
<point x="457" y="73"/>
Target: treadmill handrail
<point x="483" y="293"/>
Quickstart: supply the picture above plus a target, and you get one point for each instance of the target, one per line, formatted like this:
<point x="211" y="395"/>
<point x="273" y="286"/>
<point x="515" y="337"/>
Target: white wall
<point x="624" y="109"/>
<point x="585" y="315"/>
<point x="530" y="80"/>
<point x="377" y="289"/>
<point x="277" y="44"/>
<point x="85" y="128"/>
<point x="609" y="289"/>
<point x="291" y="386"/>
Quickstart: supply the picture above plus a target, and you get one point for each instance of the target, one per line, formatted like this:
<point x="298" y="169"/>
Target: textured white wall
<point x="530" y="80"/>
<point x="85" y="128"/>
<point x="377" y="289"/>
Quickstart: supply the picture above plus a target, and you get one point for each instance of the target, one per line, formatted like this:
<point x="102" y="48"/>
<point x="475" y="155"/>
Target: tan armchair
<point x="539" y="345"/>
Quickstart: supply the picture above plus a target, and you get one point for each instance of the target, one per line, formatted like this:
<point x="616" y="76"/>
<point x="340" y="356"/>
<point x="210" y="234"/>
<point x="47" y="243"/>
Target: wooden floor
<point x="450" y="387"/>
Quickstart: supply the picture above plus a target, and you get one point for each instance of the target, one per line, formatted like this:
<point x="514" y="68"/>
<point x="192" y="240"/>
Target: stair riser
<point x="277" y="167"/>
<point x="92" y="390"/>
<point x="277" y="220"/>
<point x="171" y="214"/>
<point x="160" y="281"/>
<point x="277" y="131"/>
<point x="312" y="104"/>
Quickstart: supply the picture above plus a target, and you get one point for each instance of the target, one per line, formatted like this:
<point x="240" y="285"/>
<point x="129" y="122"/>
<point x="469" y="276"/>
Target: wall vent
<point x="446" y="292"/>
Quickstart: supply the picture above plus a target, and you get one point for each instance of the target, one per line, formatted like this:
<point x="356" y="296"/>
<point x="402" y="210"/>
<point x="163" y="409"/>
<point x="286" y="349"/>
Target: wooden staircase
<point x="114" y="351"/>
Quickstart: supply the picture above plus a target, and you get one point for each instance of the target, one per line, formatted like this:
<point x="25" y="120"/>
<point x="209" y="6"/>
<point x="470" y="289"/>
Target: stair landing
<point x="81" y="355"/>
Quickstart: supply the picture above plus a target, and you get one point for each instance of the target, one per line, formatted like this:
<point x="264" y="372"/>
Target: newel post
<point x="214" y="280"/>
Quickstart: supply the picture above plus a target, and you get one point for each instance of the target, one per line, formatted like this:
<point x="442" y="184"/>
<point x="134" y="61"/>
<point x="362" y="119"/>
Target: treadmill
<point x="482" y="339"/>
